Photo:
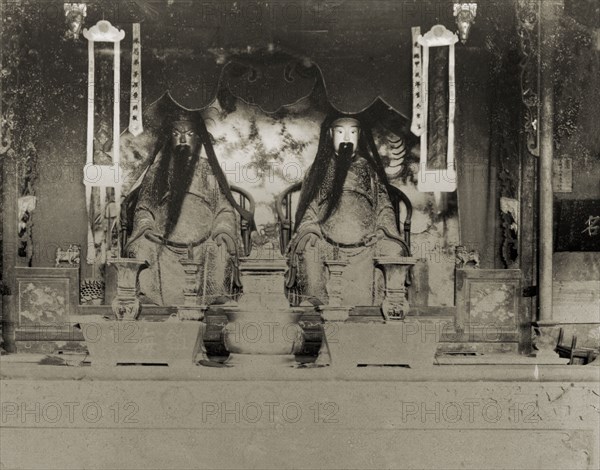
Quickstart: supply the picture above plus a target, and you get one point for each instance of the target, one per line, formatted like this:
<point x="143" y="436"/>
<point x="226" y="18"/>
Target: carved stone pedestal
<point x="190" y="310"/>
<point x="409" y="344"/>
<point x="126" y="305"/>
<point x="395" y="305"/>
<point x="263" y="281"/>
<point x="334" y="310"/>
<point x="172" y="342"/>
<point x="334" y="283"/>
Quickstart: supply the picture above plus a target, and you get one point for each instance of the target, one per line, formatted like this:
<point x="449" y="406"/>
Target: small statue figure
<point x="74" y="19"/>
<point x="466" y="259"/>
<point x="266" y="236"/>
<point x="465" y="18"/>
<point x="70" y="256"/>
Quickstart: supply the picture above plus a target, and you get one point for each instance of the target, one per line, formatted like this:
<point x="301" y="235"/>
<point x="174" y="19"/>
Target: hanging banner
<point x="417" y="126"/>
<point x="94" y="175"/>
<point x="437" y="179"/>
<point x="135" y="98"/>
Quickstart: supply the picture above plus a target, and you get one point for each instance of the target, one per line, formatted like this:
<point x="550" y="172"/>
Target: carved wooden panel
<point x="45" y="300"/>
<point x="487" y="303"/>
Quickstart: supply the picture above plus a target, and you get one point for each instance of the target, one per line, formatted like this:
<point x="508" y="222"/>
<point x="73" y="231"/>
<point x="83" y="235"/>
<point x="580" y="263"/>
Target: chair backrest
<point x="398" y="198"/>
<point x="245" y="200"/>
<point x="283" y="207"/>
<point x="576" y="355"/>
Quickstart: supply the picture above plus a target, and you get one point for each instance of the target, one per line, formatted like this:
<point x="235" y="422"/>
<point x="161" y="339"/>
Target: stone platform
<point x="516" y="416"/>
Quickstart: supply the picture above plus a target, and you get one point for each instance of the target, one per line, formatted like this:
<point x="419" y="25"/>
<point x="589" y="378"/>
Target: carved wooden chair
<point x="576" y="355"/>
<point x="283" y="206"/>
<point x="245" y="200"/>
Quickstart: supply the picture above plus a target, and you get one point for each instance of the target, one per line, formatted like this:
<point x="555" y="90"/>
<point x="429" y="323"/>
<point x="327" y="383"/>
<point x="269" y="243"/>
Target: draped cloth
<point x="476" y="180"/>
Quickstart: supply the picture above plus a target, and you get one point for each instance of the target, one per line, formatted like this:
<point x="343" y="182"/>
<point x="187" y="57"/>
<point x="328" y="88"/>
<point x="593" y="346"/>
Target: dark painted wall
<point x="577" y="84"/>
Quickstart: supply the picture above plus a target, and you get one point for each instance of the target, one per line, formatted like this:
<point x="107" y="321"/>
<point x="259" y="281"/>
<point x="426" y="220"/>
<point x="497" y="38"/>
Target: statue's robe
<point x="205" y="212"/>
<point x="363" y="208"/>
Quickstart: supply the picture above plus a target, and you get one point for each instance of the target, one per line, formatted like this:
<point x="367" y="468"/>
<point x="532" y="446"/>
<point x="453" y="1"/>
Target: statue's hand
<point x="381" y="234"/>
<point x="224" y="237"/>
<point x="149" y="231"/>
<point x="306" y="237"/>
<point x="373" y="238"/>
<point x="150" y="234"/>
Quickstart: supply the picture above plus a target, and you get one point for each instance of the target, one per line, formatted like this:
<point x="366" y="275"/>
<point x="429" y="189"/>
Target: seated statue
<point x="345" y="214"/>
<point x="185" y="210"/>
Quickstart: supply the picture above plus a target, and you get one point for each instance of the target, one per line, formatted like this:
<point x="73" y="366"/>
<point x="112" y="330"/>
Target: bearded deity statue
<point x="345" y="214"/>
<point x="183" y="208"/>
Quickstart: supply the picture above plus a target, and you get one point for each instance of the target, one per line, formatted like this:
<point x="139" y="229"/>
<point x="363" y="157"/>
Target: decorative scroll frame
<point x="102" y="176"/>
<point x="437" y="180"/>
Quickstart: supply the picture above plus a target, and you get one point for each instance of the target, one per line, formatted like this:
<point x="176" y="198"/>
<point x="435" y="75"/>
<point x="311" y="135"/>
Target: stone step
<point x="474" y="349"/>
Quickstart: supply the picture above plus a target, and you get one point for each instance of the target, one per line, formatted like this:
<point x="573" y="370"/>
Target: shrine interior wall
<point x="576" y="287"/>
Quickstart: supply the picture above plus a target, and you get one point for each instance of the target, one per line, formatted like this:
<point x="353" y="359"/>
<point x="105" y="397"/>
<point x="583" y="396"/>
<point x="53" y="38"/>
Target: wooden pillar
<point x="9" y="228"/>
<point x="9" y="248"/>
<point x="546" y="241"/>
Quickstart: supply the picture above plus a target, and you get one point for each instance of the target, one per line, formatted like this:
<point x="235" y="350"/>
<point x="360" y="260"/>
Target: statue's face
<point x="344" y="132"/>
<point x="184" y="135"/>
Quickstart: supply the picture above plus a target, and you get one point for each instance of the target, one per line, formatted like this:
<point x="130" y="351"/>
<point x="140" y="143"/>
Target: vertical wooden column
<point x="546" y="241"/>
<point x="8" y="217"/>
<point x="9" y="249"/>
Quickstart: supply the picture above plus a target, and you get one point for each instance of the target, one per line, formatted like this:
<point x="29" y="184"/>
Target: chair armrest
<point x="398" y="196"/>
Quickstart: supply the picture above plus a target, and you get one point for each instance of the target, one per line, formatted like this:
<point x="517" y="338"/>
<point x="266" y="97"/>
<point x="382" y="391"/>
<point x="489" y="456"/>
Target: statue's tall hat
<point x="345" y="120"/>
<point x="183" y="115"/>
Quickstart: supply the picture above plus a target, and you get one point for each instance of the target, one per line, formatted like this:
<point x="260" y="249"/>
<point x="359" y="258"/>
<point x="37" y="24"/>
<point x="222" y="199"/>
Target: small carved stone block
<point x="69" y="256"/>
<point x="466" y="259"/>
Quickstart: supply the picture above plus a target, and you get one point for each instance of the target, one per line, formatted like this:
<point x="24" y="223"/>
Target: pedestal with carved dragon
<point x="395" y="305"/>
<point x="126" y="305"/>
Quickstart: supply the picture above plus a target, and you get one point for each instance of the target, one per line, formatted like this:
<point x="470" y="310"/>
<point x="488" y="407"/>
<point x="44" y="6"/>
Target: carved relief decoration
<point x="527" y="29"/>
<point x="21" y="105"/>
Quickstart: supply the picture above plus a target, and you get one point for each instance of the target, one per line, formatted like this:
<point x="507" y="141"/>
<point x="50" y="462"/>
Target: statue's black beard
<point x="181" y="172"/>
<point x="341" y="166"/>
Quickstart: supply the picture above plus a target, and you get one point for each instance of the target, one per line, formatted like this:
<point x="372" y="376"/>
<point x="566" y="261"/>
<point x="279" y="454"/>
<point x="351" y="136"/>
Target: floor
<point x="468" y="416"/>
